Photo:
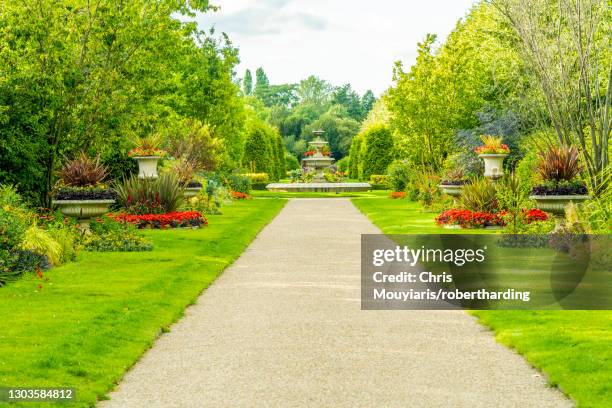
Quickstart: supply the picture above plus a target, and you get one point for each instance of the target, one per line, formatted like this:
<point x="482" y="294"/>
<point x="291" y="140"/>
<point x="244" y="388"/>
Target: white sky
<point x="354" y="41"/>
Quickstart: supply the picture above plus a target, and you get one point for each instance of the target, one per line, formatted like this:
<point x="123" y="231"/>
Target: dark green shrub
<point x="291" y="162"/>
<point x="376" y="151"/>
<point x="12" y="229"/>
<point x="354" y="157"/>
<point x="400" y="175"/>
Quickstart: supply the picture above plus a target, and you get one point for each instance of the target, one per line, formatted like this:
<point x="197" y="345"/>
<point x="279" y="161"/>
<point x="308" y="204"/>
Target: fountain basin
<point x="319" y="187"/>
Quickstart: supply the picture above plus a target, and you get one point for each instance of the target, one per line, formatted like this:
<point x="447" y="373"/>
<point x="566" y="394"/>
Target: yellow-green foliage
<point x="257" y="177"/>
<point x="40" y="241"/>
<point x="66" y="240"/>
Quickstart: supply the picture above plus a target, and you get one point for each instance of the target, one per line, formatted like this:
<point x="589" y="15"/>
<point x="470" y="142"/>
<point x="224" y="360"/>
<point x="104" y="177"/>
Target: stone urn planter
<point x="556" y="203"/>
<point x="453" y="190"/>
<point x="494" y="165"/>
<point x="147" y="166"/>
<point x="83" y="210"/>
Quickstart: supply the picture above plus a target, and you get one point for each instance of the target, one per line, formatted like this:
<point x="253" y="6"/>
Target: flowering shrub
<point x="183" y="219"/>
<point x="144" y="152"/>
<point x="237" y="195"/>
<point x="397" y="195"/>
<point x="470" y="219"/>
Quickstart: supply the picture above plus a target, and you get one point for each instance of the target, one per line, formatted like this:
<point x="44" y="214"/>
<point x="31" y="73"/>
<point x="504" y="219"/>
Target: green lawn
<point x="94" y="318"/>
<point x="573" y="348"/>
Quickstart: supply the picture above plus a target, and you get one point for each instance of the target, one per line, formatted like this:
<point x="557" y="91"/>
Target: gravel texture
<point x="283" y="327"/>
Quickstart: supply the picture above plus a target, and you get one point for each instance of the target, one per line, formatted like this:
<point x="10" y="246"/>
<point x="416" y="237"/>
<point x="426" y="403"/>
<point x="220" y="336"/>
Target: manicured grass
<point x="403" y="217"/>
<point x="573" y="348"/>
<point x="94" y="318"/>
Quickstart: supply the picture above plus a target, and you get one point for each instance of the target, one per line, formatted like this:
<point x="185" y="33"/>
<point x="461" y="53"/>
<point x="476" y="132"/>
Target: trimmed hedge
<point x="376" y="151"/>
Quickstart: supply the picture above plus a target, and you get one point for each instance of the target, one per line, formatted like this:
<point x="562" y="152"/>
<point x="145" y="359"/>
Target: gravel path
<point x="283" y="327"/>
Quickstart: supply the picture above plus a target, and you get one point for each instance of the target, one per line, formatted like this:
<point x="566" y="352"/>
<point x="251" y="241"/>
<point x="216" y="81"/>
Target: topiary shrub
<point x="376" y="151"/>
<point x="354" y="157"/>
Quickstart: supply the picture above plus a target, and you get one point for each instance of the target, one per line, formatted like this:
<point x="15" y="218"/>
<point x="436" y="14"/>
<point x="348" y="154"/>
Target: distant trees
<point x="312" y="104"/>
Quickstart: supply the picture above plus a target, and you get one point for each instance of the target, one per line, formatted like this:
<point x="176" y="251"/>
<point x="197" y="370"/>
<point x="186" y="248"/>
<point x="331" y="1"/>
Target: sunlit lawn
<point x="94" y="318"/>
<point x="573" y="348"/>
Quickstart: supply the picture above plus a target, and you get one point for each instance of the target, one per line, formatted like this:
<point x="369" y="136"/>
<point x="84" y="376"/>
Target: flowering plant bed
<point x="502" y="149"/>
<point x="397" y="195"/>
<point x="237" y="195"/>
<point x="142" y="152"/>
<point x="470" y="219"/>
<point x="311" y="153"/>
<point x="185" y="219"/>
<point x="492" y="145"/>
<point x="474" y="219"/>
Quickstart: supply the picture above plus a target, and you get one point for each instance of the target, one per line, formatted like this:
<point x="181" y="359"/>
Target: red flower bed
<point x="184" y="219"/>
<point x="469" y="219"/>
<point x="397" y="195"/>
<point x="237" y="195"/>
<point x="534" y="215"/>
<point x="313" y="152"/>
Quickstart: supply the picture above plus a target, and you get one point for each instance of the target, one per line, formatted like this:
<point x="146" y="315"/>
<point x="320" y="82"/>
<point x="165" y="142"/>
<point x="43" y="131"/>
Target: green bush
<point x="238" y="183"/>
<point x="108" y="235"/>
<point x="343" y="165"/>
<point x="526" y="171"/>
<point x="355" y="157"/>
<point x="427" y="185"/>
<point x="376" y="151"/>
<point x="291" y="162"/>
<point x="264" y="151"/>
<point x="12" y="229"/>
<point x="400" y="174"/>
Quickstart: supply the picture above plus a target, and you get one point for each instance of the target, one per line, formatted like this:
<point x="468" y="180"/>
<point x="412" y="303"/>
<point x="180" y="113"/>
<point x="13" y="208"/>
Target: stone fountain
<point x="320" y="160"/>
<point x="317" y="162"/>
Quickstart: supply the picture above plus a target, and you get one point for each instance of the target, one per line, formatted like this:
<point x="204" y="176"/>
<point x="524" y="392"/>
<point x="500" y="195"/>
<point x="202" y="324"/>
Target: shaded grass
<point x="573" y="348"/>
<point x="94" y="318"/>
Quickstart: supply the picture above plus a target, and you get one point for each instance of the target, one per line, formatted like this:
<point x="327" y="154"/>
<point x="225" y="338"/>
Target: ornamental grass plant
<point x="479" y="195"/>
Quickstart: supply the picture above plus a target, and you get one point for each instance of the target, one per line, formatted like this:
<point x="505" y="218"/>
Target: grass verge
<point x="94" y="318"/>
<point x="573" y="348"/>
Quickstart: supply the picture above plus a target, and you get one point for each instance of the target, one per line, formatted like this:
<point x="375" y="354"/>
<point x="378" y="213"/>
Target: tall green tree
<point x="262" y="84"/>
<point x="247" y="85"/>
<point x="80" y="75"/>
